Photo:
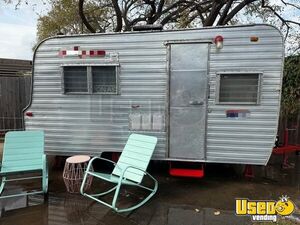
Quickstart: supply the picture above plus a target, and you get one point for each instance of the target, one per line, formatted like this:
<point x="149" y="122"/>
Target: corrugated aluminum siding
<point x="92" y="124"/>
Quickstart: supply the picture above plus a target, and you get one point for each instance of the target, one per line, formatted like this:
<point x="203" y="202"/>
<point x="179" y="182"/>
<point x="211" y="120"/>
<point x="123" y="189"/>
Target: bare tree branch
<point x="236" y="9"/>
<point x="225" y="12"/>
<point x="83" y="18"/>
<point x="202" y="10"/>
<point x="127" y="13"/>
<point x="284" y="21"/>
<point x="173" y="15"/>
<point x="192" y="18"/>
<point x="160" y="6"/>
<point x="118" y="15"/>
<point x="173" y="6"/>
<point x="152" y="12"/>
<point x="290" y="4"/>
<point x="18" y="4"/>
<point x="217" y="5"/>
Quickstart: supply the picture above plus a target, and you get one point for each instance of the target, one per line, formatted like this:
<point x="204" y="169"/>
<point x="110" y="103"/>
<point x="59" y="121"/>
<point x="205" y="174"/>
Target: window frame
<point x="63" y="82"/>
<point x="218" y="86"/>
<point x="90" y="79"/>
<point x="104" y="93"/>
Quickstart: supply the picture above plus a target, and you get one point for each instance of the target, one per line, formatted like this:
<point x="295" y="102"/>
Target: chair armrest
<point x="45" y="165"/>
<point x="98" y="157"/>
<point x="128" y="167"/>
<point x="144" y="171"/>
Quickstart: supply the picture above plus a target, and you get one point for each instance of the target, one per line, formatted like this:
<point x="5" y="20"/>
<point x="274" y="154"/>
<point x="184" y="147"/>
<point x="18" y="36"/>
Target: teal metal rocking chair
<point x="23" y="153"/>
<point x="129" y="170"/>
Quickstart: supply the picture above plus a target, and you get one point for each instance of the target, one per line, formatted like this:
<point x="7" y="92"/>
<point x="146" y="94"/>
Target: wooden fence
<point x="13" y="67"/>
<point x="14" y="97"/>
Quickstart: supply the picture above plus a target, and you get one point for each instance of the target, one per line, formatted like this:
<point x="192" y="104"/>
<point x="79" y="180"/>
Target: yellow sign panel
<point x="264" y="210"/>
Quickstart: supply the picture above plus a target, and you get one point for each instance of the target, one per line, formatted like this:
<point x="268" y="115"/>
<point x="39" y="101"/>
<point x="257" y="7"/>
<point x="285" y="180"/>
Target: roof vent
<point x="147" y="27"/>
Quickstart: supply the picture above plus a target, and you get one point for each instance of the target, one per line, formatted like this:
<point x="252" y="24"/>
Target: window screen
<point x="239" y="88"/>
<point x="104" y="79"/>
<point x="75" y="79"/>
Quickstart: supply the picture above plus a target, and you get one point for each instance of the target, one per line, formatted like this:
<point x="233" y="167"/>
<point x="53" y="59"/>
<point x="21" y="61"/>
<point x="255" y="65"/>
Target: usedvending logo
<point x="261" y="211"/>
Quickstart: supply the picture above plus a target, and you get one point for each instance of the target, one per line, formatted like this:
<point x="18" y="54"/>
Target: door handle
<point x="196" y="102"/>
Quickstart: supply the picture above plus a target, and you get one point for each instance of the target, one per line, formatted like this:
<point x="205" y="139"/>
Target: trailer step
<point x="187" y="172"/>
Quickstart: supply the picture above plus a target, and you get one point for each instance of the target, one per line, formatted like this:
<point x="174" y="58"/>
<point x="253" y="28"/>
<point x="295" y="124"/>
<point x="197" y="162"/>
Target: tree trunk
<point x="83" y="18"/>
<point x="118" y="15"/>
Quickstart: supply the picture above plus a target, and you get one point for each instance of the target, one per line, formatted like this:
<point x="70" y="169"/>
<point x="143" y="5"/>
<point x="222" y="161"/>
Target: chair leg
<point x="117" y="192"/>
<point x="116" y="195"/>
<point x="93" y="195"/>
<point x="83" y="182"/>
<point x="42" y="191"/>
<point x="104" y="193"/>
<point x="2" y="184"/>
<point x="146" y="199"/>
<point x="45" y="185"/>
<point x="153" y="191"/>
<point x="45" y="176"/>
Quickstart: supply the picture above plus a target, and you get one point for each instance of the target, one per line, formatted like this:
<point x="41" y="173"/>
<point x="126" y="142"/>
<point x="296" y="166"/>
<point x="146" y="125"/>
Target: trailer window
<point x="75" y="79"/>
<point x="104" y="79"/>
<point x="239" y="88"/>
<point x="90" y="79"/>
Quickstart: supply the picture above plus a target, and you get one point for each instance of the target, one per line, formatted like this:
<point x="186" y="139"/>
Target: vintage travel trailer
<point x="209" y="95"/>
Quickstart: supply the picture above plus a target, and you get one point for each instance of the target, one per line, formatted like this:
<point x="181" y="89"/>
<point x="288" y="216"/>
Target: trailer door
<point x="188" y="100"/>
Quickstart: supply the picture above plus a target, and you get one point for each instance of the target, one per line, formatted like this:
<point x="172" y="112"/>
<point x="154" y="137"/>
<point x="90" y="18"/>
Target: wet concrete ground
<point x="179" y="201"/>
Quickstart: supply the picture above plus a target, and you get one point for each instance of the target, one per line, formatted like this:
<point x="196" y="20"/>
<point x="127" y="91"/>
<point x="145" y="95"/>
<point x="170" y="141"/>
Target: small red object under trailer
<point x="186" y="172"/>
<point x="285" y="149"/>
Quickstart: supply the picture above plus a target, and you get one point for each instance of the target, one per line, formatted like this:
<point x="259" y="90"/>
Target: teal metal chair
<point x="129" y="170"/>
<point x="23" y="153"/>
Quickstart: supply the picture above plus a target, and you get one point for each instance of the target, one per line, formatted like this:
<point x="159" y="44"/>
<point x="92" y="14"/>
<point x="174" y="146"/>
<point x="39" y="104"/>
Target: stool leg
<point x="73" y="175"/>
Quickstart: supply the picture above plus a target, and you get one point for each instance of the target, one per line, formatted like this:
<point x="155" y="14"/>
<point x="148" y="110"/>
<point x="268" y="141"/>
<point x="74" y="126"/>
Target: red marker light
<point x="30" y="114"/>
<point x="219" y="41"/>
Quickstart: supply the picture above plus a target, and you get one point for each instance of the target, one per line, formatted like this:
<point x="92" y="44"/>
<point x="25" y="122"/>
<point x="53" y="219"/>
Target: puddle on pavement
<point x="180" y="216"/>
<point x="67" y="209"/>
<point x="209" y="201"/>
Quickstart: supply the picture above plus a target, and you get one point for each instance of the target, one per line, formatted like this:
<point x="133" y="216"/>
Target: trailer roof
<point x="159" y="31"/>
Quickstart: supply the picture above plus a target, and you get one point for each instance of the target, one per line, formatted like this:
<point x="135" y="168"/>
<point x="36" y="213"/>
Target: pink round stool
<point x="75" y="167"/>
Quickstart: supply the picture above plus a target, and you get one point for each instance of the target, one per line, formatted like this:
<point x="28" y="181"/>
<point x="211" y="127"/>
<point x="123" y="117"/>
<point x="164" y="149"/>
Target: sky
<point x="18" y="29"/>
